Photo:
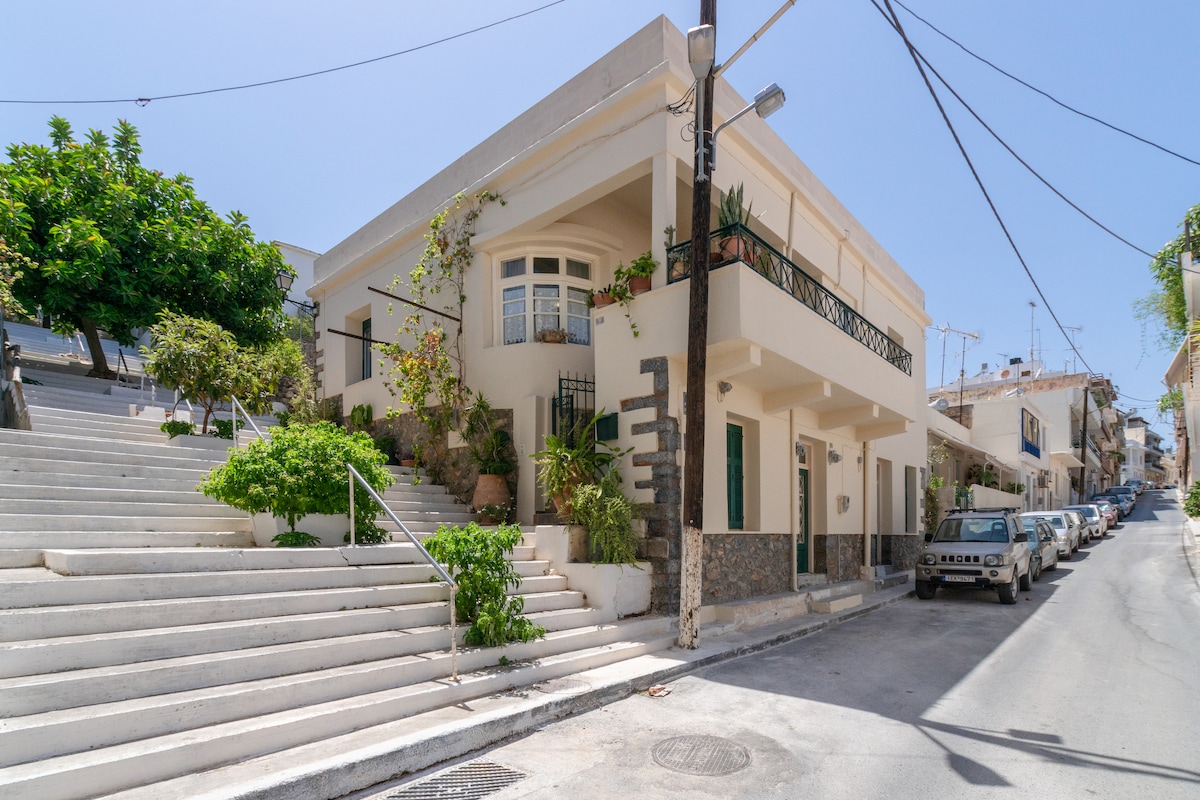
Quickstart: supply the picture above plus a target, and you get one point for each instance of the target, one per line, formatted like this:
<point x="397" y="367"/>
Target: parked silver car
<point x="1080" y="522"/>
<point x="984" y="548"/>
<point x="1095" y="518"/>
<point x="1043" y="545"/>
<point x="1065" y="533"/>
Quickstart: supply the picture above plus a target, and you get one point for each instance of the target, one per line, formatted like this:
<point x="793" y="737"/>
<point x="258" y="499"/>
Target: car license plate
<point x="960" y="578"/>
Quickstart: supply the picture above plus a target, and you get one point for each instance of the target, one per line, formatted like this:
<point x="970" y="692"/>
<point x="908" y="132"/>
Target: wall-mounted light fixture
<point x="843" y="503"/>
<point x="723" y="388"/>
<point x="834" y="456"/>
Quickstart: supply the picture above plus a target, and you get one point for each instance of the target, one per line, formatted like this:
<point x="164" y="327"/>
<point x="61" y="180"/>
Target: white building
<point x="815" y="400"/>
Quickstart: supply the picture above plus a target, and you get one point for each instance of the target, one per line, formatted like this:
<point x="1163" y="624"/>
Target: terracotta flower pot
<point x="639" y="284"/>
<point x="490" y="490"/>
<point x="601" y="299"/>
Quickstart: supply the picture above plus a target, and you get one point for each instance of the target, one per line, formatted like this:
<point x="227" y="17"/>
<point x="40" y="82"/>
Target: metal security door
<point x="733" y="474"/>
<point x="802" y="522"/>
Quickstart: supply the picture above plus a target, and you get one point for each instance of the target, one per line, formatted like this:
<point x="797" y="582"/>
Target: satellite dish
<point x="941" y="404"/>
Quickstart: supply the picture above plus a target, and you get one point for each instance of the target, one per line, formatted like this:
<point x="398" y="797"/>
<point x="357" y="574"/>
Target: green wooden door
<point x="802" y="523"/>
<point x="733" y="476"/>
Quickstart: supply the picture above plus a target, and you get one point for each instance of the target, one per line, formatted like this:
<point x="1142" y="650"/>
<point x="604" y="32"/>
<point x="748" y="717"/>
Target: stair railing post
<point x="453" y="633"/>
<point x="350" y="475"/>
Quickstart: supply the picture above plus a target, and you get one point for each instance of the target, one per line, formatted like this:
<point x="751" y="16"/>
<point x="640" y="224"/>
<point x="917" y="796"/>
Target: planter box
<point x="331" y="529"/>
<point x="615" y="590"/>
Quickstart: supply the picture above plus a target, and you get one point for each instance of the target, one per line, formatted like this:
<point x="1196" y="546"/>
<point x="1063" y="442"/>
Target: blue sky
<point x="310" y="161"/>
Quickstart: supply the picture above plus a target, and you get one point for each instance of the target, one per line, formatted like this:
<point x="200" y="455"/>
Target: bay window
<point x="545" y="293"/>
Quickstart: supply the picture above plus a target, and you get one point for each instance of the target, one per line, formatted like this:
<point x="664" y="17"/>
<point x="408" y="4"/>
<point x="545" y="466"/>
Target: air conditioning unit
<point x="1043" y="480"/>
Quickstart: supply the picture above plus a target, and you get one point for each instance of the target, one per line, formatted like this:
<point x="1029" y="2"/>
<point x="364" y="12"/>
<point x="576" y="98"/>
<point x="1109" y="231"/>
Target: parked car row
<point x="1006" y="550"/>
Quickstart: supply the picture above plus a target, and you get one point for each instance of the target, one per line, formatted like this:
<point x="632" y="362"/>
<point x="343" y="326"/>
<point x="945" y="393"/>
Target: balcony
<point x="735" y="243"/>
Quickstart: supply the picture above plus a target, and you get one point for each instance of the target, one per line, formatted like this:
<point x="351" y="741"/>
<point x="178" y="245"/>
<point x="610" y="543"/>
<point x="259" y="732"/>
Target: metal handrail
<point x="441" y="571"/>
<point x="235" y="406"/>
<point x="780" y="270"/>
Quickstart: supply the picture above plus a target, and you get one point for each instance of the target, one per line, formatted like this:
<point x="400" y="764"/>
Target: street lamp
<point x="283" y="280"/>
<point x="766" y="103"/>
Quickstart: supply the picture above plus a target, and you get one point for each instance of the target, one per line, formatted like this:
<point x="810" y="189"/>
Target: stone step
<point x="151" y="480"/>
<point x="45" y="587"/>
<point x="46" y="492"/>
<point x="98" y="432"/>
<point x="40" y="541"/>
<point x="187" y="753"/>
<point x="19" y="455"/>
<point x="233" y="520"/>
<point x="196" y="505"/>
<point x="79" y="445"/>
<point x="65" y="416"/>
<point x="10" y="465"/>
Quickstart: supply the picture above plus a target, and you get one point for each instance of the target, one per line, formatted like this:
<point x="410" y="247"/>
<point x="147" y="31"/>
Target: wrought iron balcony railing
<point x="735" y="243"/>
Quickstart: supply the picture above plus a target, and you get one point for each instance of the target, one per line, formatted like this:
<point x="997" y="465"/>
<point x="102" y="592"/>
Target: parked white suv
<point x="984" y="548"/>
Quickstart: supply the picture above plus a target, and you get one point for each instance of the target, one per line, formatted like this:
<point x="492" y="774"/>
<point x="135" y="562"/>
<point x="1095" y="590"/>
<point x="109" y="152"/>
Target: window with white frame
<point x="545" y="293"/>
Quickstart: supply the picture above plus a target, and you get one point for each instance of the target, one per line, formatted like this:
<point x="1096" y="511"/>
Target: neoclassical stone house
<point x="816" y="439"/>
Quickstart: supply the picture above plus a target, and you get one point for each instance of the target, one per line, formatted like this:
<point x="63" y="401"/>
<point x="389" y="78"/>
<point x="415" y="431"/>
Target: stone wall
<point x="663" y="527"/>
<point x="901" y="551"/>
<point x="738" y="566"/>
<point x="839" y="556"/>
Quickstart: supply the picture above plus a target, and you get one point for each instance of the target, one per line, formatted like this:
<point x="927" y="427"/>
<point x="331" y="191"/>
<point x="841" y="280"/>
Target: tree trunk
<point x="99" y="361"/>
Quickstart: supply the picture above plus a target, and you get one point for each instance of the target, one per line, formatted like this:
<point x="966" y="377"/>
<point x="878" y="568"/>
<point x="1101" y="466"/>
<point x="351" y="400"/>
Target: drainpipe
<point x="795" y="501"/>
<point x="866" y="512"/>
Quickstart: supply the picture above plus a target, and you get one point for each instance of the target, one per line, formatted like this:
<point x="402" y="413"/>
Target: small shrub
<point x="223" y="428"/>
<point x="177" y="427"/>
<point x="283" y="418"/>
<point x="296" y="539"/>
<point x="606" y="512"/>
<point x="477" y="560"/>
<point x="301" y="470"/>
<point x="1191" y="505"/>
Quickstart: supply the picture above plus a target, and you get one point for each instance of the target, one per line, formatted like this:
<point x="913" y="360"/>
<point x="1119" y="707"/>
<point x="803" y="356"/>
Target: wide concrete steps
<point x="120" y="668"/>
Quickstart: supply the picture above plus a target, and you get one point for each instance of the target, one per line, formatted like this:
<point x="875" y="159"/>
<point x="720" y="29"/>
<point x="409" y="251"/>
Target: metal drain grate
<point x="701" y="755"/>
<point x="471" y="781"/>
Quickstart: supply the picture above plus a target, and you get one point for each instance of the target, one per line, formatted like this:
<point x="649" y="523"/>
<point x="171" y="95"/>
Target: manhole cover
<point x="562" y="686"/>
<point x="471" y="781"/>
<point x="701" y="755"/>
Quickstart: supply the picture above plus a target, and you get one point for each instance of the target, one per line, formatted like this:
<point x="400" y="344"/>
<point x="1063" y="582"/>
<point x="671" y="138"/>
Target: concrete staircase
<point x="145" y="641"/>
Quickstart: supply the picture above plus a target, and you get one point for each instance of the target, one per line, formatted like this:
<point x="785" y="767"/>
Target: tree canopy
<point x="1167" y="306"/>
<point x="113" y="243"/>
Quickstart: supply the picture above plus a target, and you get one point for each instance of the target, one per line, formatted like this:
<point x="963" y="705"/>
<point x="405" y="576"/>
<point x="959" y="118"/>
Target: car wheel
<point x="926" y="590"/>
<point x="1035" y="566"/>
<point x="1008" y="592"/>
<point x="1027" y="579"/>
<point x="1053" y="566"/>
<point x="1067" y="557"/>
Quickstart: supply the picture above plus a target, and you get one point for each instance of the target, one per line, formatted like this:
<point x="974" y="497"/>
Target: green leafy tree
<point x="113" y="243"/>
<point x="301" y="470"/>
<point x="207" y="365"/>
<point x="1166" y="307"/>
<point x="12" y="265"/>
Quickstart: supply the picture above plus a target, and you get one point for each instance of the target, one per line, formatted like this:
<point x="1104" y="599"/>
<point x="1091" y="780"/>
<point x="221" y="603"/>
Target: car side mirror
<point x="928" y="538"/>
<point x="1021" y="537"/>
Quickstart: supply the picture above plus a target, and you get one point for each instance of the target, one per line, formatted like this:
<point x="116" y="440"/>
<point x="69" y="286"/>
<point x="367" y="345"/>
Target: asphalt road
<point x="1089" y="687"/>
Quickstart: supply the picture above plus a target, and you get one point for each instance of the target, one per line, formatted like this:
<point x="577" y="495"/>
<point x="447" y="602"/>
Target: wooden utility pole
<point x="1083" y="434"/>
<point x="692" y="546"/>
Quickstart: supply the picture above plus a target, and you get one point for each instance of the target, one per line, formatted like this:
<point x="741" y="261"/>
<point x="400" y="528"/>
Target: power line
<point x="1045" y="94"/>
<point x="142" y="101"/>
<point x="894" y="21"/>
<point x="1025" y="164"/>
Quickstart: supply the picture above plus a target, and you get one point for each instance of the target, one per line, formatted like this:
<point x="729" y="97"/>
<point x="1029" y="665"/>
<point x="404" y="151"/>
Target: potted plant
<point x="553" y="336"/>
<point x="730" y="211"/>
<point x="492" y="451"/>
<point x="602" y="297"/>
<point x="637" y="275"/>
<point x="604" y="510"/>
<point x="299" y="473"/>
<point x="563" y="465"/>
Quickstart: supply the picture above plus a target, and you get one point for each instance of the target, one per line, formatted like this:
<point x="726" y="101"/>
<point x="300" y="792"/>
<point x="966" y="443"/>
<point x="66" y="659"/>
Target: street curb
<point x="1191" y="550"/>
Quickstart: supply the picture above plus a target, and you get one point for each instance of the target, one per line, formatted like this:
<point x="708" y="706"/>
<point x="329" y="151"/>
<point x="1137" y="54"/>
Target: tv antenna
<point x="944" y="331"/>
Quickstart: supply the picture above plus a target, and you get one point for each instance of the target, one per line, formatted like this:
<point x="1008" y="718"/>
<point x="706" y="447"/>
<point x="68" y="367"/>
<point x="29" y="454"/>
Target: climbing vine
<point x="428" y="366"/>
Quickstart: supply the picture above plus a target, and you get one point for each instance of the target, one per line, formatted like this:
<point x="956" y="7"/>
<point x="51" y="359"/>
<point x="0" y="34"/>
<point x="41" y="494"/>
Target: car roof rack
<point x="981" y="510"/>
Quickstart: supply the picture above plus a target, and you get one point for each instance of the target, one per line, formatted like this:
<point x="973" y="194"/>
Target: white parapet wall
<point x="616" y="590"/>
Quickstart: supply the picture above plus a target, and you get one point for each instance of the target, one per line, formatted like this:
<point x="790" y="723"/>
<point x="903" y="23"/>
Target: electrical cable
<point x="1026" y="165"/>
<point x="894" y="21"/>
<point x="143" y="101"/>
<point x="1047" y="95"/>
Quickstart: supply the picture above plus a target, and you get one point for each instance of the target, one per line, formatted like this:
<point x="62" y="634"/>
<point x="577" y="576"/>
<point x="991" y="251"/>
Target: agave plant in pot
<point x="732" y="212"/>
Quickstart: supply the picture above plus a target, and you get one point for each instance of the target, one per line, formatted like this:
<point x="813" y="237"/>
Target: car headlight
<point x="928" y="559"/>
<point x="993" y="561"/>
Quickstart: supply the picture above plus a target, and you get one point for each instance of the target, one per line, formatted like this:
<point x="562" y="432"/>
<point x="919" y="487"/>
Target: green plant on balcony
<point x="731" y="211"/>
